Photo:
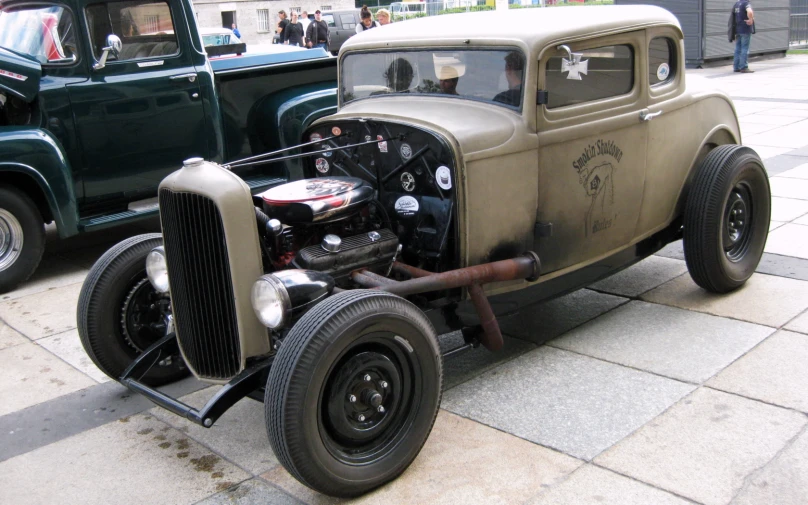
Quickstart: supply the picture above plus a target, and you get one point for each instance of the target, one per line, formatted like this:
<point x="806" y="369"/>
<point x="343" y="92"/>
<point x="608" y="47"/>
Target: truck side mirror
<point x="114" y="46"/>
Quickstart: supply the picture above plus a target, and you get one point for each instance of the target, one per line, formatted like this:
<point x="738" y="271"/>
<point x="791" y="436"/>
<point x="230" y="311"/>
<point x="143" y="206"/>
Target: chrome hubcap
<point x="10" y="239"/>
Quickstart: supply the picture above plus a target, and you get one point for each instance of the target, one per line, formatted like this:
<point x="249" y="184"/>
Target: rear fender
<point x="278" y="120"/>
<point x="32" y="160"/>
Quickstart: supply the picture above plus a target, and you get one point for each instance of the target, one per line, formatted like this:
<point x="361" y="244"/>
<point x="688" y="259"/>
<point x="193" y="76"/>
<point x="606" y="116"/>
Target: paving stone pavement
<point x="640" y="389"/>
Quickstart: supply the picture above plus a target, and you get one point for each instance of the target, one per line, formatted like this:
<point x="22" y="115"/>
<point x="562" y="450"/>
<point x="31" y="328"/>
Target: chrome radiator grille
<point x="202" y="296"/>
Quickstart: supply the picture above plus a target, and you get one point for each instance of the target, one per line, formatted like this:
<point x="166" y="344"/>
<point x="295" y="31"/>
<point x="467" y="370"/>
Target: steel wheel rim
<point x="384" y="357"/>
<point x="11" y="239"/>
<point x="738" y="222"/>
<point x="144" y="316"/>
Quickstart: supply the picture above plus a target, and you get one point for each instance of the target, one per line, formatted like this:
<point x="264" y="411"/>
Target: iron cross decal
<point x="575" y="66"/>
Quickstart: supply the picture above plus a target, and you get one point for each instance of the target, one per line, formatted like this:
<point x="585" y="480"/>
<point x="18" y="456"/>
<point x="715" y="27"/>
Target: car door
<point x="140" y="115"/>
<point x="592" y="149"/>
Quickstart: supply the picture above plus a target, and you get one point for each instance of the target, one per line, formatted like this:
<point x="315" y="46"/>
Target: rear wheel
<point x="120" y="314"/>
<point x="22" y="237"/>
<point x="727" y="218"/>
<point x="353" y="392"/>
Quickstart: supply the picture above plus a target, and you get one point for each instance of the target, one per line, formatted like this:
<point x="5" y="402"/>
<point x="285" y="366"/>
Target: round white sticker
<point x="444" y="177"/>
<point x="406" y="151"/>
<point x="663" y="71"/>
<point x="315" y="137"/>
<point x="321" y="165"/>
<point x="406" y="206"/>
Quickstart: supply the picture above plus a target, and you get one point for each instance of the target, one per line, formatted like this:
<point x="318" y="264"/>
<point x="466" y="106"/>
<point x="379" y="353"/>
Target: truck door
<point x="592" y="149"/>
<point x="140" y="115"/>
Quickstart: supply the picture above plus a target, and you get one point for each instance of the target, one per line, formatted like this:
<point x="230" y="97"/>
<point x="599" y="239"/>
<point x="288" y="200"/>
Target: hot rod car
<point x="530" y="152"/>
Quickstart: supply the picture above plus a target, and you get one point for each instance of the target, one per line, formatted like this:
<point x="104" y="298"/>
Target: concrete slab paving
<point x="67" y="346"/>
<point x="800" y="172"/>
<point x="759" y="301"/>
<point x="783" y="481"/>
<point x="9" y="337"/>
<point x="790" y="136"/>
<point x="32" y="375"/>
<point x="576" y="404"/>
<point x="668" y="341"/>
<point x="789" y="240"/>
<point x="773" y="225"/>
<point x="43" y="314"/>
<point x="748" y="127"/>
<point x="240" y="435"/>
<point x="705" y="446"/>
<point x="801" y="221"/>
<point x="545" y="321"/>
<point x="639" y="278"/>
<point x="799" y="323"/>
<point x="787" y="209"/>
<point x="470" y="364"/>
<point x="766" y="152"/>
<point x="251" y="492"/>
<point x="772" y="119"/>
<point x="141" y="460"/>
<point x="461" y="462"/>
<point x="593" y="485"/>
<point x="53" y="272"/>
<point x="774" y="372"/>
<point x="787" y="187"/>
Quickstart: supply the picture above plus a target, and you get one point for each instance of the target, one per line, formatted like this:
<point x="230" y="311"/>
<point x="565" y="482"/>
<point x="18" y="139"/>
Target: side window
<point x="145" y="28"/>
<point x="661" y="60"/>
<point x="609" y="72"/>
<point x="348" y="21"/>
<point x="329" y="19"/>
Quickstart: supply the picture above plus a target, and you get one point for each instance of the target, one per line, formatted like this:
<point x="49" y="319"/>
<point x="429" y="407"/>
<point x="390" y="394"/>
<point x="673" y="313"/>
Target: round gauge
<point x="408" y="182"/>
<point x="322" y="165"/>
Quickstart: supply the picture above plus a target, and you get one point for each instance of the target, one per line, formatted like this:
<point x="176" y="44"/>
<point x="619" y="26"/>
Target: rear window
<point x="145" y="28"/>
<point x="486" y="75"/>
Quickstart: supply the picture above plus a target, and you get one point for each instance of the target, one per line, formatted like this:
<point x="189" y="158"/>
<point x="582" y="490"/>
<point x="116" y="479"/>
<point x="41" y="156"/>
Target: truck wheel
<point x="120" y="314"/>
<point x="353" y="392"/>
<point x="727" y="218"/>
<point x="22" y="237"/>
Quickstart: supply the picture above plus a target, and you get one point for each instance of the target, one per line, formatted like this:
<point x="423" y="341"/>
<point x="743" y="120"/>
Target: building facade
<point x="257" y="20"/>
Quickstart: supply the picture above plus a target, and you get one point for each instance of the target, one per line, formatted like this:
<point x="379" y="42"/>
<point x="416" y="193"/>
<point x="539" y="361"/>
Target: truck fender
<point x="720" y="135"/>
<point x="33" y="161"/>
<point x="279" y="119"/>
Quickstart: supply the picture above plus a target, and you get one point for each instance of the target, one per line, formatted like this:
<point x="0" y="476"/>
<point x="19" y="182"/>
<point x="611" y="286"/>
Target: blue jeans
<point x="324" y="46"/>
<point x="741" y="51"/>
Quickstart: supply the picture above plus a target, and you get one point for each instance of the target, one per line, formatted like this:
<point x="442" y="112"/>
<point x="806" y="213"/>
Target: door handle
<point x="647" y="116"/>
<point x="191" y="77"/>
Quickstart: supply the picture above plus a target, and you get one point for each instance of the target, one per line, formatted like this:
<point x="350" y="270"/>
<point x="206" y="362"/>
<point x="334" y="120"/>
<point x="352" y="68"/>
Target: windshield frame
<point x="435" y="49"/>
<point x="30" y="6"/>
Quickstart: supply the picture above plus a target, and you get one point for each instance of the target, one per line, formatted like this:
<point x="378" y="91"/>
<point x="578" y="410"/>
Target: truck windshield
<point x="486" y="75"/>
<point x="45" y="32"/>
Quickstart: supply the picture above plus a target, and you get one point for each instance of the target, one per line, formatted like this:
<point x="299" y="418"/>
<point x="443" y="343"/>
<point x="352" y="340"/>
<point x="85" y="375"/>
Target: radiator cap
<point x="331" y="243"/>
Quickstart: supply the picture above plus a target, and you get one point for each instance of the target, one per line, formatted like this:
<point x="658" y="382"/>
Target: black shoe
<point x="747" y="71"/>
<point x="737" y="70"/>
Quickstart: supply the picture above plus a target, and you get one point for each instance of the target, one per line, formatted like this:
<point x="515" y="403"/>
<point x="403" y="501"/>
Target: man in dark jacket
<point x="744" y="26"/>
<point x="317" y="33"/>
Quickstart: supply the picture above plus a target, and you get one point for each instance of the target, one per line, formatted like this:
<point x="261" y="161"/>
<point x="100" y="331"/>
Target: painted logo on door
<point x="596" y="175"/>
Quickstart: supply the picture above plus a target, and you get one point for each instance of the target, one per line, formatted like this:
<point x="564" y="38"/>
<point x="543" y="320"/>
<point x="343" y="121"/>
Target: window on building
<point x="610" y="72"/>
<point x="661" y="60"/>
<point x="294" y="9"/>
<point x="263" y="20"/>
<point x="325" y="8"/>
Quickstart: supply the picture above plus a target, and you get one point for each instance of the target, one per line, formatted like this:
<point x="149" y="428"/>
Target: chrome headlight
<point x="271" y="302"/>
<point x="157" y="269"/>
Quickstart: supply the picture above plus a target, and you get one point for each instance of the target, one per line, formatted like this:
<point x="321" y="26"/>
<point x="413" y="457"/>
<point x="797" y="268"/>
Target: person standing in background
<point x="304" y="22"/>
<point x="317" y="34"/>
<point x="383" y="17"/>
<point x="294" y="32"/>
<point x="282" y="24"/>
<point x="744" y="28"/>
<point x="235" y="31"/>
<point x="367" y="20"/>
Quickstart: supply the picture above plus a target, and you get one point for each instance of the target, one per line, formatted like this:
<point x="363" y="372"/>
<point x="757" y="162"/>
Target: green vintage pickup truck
<point x="100" y="100"/>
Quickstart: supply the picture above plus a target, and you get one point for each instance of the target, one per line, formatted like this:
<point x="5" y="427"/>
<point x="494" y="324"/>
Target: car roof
<point x="535" y="27"/>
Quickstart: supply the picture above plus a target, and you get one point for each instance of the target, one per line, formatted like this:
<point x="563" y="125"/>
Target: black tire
<point x="22" y="237"/>
<point x="313" y="427"/>
<point x="120" y="314"/>
<point x="727" y="218"/>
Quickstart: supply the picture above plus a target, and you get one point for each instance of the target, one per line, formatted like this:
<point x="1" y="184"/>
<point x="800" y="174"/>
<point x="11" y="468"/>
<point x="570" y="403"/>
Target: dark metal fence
<point x="798" y="29"/>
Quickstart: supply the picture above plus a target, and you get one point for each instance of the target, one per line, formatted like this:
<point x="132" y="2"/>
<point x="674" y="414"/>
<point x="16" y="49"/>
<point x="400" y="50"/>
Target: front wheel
<point x="353" y="392"/>
<point x="120" y="314"/>
<point x="727" y="218"/>
<point x="22" y="237"/>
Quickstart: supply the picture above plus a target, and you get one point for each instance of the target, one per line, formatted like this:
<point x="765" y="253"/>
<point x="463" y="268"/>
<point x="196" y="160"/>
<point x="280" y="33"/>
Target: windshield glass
<point x="44" y="32"/>
<point x="487" y="75"/>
